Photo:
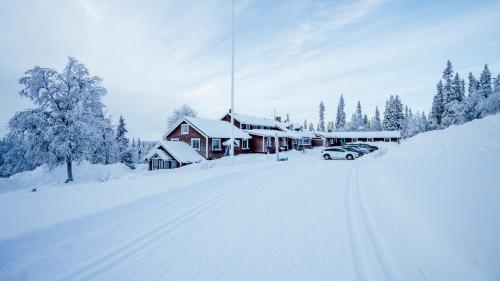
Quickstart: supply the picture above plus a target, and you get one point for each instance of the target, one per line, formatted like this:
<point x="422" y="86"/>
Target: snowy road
<point x="295" y="220"/>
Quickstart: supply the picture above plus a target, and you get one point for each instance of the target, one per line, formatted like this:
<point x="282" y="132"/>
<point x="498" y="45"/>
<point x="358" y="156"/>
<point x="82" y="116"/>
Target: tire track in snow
<point x="371" y="257"/>
<point x="112" y="257"/>
<point x="368" y="257"/>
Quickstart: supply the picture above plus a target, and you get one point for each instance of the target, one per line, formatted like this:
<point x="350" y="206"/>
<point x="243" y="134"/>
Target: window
<point x="268" y="142"/>
<point x="332" y="141"/>
<point x="236" y="143"/>
<point x="306" y="141"/>
<point x="354" y="140"/>
<point x="216" y="144"/>
<point x="245" y="144"/>
<point x="369" y="140"/>
<point x="174" y="139"/>
<point x="184" y="129"/>
<point x="195" y="143"/>
<point x="387" y="139"/>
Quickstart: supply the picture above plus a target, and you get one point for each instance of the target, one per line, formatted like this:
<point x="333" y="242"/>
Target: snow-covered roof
<point x="270" y="133"/>
<point x="369" y="134"/>
<point x="302" y="134"/>
<point x="282" y="134"/>
<point x="258" y="121"/>
<point x="180" y="151"/>
<point x="216" y="128"/>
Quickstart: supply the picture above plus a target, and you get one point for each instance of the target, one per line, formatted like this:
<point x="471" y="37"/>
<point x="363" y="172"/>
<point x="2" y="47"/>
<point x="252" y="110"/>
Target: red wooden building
<point x="210" y="138"/>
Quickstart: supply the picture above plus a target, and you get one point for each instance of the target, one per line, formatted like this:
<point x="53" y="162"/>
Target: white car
<point x="338" y="153"/>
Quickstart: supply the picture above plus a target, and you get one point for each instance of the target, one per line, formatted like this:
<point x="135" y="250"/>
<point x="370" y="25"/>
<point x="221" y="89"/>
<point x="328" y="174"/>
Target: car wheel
<point x="327" y="156"/>
<point x="349" y="157"/>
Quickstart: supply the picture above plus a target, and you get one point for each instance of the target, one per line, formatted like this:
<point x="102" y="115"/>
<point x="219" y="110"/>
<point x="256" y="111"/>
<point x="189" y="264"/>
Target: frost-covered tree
<point x="485" y="88"/>
<point x="376" y="125"/>
<point x="491" y="104"/>
<point x="357" y="123"/>
<point x="102" y="150"/>
<point x="62" y="125"/>
<point x="287" y="118"/>
<point x="330" y="127"/>
<point x="304" y="128"/>
<point x="123" y="153"/>
<point x="311" y="126"/>
<point x="340" y="120"/>
<point x="321" y="123"/>
<point x="178" y="113"/>
<point x="454" y="102"/>
<point x="393" y="114"/>
<point x="437" y="106"/>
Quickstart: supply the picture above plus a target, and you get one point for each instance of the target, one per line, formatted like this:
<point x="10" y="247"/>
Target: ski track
<point x="108" y="258"/>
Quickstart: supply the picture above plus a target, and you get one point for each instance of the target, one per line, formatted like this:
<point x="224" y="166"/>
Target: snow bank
<point x="446" y="183"/>
<point x="83" y="172"/>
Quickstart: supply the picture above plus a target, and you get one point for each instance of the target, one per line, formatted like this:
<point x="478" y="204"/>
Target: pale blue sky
<point x="290" y="55"/>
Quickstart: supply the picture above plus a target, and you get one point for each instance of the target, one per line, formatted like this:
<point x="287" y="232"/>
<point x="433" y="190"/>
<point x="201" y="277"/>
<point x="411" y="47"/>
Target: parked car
<point x="358" y="147"/>
<point x="339" y="153"/>
<point x="367" y="146"/>
<point x="352" y="148"/>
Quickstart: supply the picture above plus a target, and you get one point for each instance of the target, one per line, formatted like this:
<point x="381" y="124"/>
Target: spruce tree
<point x="321" y="123"/>
<point x="376" y="125"/>
<point x="485" y="83"/>
<point x="437" y="105"/>
<point x="340" y="120"/>
<point x="123" y="152"/>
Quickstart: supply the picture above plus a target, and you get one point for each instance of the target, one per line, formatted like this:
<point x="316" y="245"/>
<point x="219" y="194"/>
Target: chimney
<point x="277" y="118"/>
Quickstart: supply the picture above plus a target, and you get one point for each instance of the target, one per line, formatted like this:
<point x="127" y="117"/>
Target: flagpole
<point x="232" y="95"/>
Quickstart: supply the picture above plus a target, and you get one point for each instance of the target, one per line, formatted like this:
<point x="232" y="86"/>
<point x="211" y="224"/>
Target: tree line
<point x="451" y="105"/>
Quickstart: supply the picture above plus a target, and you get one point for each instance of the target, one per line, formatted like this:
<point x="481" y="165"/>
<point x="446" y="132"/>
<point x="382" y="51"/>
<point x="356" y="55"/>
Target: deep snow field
<point x="427" y="209"/>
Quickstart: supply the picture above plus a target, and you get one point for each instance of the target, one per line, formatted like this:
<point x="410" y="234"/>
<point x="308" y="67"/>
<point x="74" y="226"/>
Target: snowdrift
<point x="83" y="172"/>
<point x="447" y="185"/>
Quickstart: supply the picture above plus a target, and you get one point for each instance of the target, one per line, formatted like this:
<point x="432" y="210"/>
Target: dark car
<point x="354" y="149"/>
<point x="367" y="146"/>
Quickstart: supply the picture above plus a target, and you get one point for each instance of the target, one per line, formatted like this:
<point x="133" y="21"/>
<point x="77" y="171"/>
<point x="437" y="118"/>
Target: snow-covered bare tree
<point x="183" y="111"/>
<point x="62" y="125"/>
<point x="340" y="120"/>
<point x="321" y="123"/>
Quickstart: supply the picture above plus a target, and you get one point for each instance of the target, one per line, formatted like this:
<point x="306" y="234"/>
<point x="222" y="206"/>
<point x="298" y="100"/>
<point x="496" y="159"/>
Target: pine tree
<point x="357" y="119"/>
<point x="305" y="126"/>
<point x="340" y="120"/>
<point x="124" y="155"/>
<point x="311" y="126"/>
<point x="485" y="83"/>
<point x="287" y="118"/>
<point x="321" y="123"/>
<point x="376" y="125"/>
<point x="454" y="102"/>
<point x="491" y="104"/>
<point x="437" y="106"/>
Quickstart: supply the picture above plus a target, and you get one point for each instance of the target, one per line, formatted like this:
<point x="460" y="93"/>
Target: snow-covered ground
<point x="424" y="210"/>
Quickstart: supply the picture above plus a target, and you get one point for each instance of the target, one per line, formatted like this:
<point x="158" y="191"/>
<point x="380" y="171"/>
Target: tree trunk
<point x="69" y="170"/>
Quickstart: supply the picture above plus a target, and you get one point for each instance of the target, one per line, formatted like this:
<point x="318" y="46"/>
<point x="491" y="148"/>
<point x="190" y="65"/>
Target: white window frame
<point x="369" y="139"/>
<point x="354" y="139"/>
<point x="184" y="131"/>
<point x="236" y="143"/>
<point x="387" y="140"/>
<point x="332" y="141"/>
<point x="213" y="144"/>
<point x="174" y="139"/>
<point x="199" y="143"/>
<point x="245" y="144"/>
<point x="306" y="141"/>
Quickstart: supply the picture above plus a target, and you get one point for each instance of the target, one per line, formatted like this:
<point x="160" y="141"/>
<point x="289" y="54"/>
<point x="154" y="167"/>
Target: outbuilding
<point x="170" y="155"/>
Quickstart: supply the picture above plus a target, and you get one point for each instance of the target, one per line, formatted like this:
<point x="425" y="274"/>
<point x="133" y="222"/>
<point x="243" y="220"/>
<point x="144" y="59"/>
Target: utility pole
<point x="232" y="95"/>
